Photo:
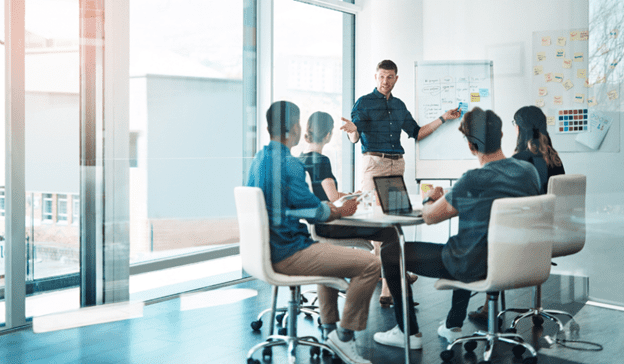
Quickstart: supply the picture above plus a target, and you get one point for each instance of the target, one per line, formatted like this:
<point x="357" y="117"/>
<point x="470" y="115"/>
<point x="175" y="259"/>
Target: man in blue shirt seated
<point x="464" y="256"/>
<point x="288" y="199"/>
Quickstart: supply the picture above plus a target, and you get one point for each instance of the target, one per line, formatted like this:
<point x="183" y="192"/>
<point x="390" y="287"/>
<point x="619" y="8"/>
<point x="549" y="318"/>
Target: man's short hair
<point x="482" y="129"/>
<point x="281" y="116"/>
<point x="387" y="65"/>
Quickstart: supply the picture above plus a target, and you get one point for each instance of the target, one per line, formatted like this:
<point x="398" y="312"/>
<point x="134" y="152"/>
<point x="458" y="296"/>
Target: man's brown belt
<point x="385" y="155"/>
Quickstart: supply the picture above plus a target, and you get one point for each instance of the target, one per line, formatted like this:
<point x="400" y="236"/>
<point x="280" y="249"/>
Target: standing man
<point x="378" y="119"/>
<point x="288" y="199"/>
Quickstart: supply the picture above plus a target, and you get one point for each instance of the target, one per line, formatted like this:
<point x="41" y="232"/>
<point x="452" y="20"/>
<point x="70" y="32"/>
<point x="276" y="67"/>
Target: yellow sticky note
<point x="558" y="100"/>
<point x="567" y="63"/>
<point x="578" y="56"/>
<point x="543" y="91"/>
<point x="539" y="103"/>
<point x="584" y="35"/>
<point x="537" y="70"/>
<point x="560" y="53"/>
<point x="545" y="41"/>
<point x="561" y="41"/>
<point x="613" y="64"/>
<point x="550" y="120"/>
<point x="592" y="101"/>
<point x="541" y="56"/>
<point x="579" y="98"/>
<point x="558" y="77"/>
<point x="568" y="85"/>
<point x="475" y="97"/>
<point x="581" y="73"/>
<point x="613" y="95"/>
<point x="614" y="33"/>
<point x="548" y="77"/>
<point x="603" y="49"/>
<point x="574" y="35"/>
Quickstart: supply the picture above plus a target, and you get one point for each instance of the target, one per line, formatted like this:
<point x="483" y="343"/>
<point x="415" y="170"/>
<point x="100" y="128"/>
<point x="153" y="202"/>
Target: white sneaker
<point x="451" y="334"/>
<point x="395" y="337"/>
<point x="346" y="350"/>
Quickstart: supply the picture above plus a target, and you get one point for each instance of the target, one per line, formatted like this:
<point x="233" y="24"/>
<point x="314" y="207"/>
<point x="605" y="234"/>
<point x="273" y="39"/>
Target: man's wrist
<point x="427" y="199"/>
<point x="443" y="120"/>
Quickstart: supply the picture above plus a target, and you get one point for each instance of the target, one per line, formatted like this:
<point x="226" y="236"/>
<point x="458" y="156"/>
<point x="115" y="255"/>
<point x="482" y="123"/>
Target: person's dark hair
<point x="387" y="65"/>
<point x="319" y="125"/>
<point x="482" y="129"/>
<point x="533" y="135"/>
<point x="281" y="116"/>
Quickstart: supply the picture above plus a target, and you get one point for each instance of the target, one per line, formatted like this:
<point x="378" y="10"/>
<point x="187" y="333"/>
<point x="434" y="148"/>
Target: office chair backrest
<point x="520" y="237"/>
<point x="253" y="223"/>
<point x="570" y="190"/>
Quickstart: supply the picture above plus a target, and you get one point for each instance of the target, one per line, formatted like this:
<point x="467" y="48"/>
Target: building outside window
<point x="2" y="201"/>
<point x="75" y="209"/>
<point x="61" y="208"/>
<point x="46" y="213"/>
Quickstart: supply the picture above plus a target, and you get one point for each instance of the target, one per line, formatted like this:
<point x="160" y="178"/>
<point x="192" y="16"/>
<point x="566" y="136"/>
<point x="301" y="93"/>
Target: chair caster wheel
<point x="315" y="351"/>
<point x="279" y="318"/>
<point x="253" y="361"/>
<point x="256" y="325"/>
<point x="267" y="353"/>
<point x="282" y="331"/>
<point x="530" y="360"/>
<point x="518" y="350"/>
<point x="537" y="320"/>
<point x="447" y="355"/>
<point x="470" y="346"/>
<point x="511" y="330"/>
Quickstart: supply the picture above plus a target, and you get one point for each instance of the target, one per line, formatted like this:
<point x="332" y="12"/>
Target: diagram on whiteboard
<point x="441" y="86"/>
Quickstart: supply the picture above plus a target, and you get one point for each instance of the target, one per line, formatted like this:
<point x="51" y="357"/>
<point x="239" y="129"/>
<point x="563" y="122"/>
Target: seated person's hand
<point x="435" y="193"/>
<point x="349" y="207"/>
<point x="452" y="114"/>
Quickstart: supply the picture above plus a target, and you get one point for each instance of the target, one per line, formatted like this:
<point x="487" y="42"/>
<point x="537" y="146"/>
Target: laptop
<point x="393" y="196"/>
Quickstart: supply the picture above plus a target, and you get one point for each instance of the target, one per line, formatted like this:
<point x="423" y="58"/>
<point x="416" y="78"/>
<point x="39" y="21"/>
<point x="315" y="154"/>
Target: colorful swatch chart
<point x="572" y="120"/>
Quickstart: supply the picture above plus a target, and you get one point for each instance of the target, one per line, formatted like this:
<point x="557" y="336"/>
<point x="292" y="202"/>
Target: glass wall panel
<point x="308" y="64"/>
<point x="52" y="110"/>
<point x="186" y="126"/>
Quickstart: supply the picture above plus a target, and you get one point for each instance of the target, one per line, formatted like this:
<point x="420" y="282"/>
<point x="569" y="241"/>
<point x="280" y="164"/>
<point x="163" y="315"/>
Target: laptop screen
<point x="392" y="193"/>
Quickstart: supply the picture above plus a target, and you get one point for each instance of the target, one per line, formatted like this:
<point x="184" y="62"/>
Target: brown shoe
<point x="479" y="316"/>
<point x="411" y="278"/>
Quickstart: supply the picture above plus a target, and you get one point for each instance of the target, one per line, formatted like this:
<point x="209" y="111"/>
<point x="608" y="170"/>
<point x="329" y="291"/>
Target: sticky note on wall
<point x="537" y="70"/>
<point x="568" y="85"/>
<point x="592" y="101"/>
<point x="613" y="95"/>
<point x="579" y="98"/>
<point x="561" y="41"/>
<point x="567" y="63"/>
<point x="545" y="41"/>
<point x="540" y="103"/>
<point x="543" y="91"/>
<point x="578" y="56"/>
<point x="560" y="53"/>
<point x="581" y="73"/>
<point x="584" y="35"/>
<point x="574" y="35"/>
<point x="558" y="77"/>
<point x="475" y="97"/>
<point x="558" y="100"/>
<point x="541" y="56"/>
<point x="548" y="77"/>
<point x="550" y="120"/>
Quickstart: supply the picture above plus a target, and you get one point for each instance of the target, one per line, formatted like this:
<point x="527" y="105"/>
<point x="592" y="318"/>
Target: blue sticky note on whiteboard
<point x="463" y="107"/>
<point x="484" y="92"/>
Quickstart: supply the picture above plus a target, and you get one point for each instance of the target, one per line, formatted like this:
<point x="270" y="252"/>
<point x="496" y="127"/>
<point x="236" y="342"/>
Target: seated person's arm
<point x="437" y="209"/>
<point x="329" y="186"/>
<point x="348" y="208"/>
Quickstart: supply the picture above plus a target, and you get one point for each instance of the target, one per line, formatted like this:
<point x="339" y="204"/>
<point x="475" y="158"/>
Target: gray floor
<point x="222" y="334"/>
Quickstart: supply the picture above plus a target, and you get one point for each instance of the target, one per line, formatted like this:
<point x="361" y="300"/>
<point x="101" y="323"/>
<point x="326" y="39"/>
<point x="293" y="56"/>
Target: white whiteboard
<point x="440" y="86"/>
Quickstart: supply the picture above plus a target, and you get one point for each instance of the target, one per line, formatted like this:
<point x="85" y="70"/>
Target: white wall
<point x="411" y="31"/>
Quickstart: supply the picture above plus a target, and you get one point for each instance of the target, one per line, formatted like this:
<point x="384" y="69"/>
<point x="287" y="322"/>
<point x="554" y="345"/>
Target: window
<point x="46" y="213"/>
<point x="75" y="209"/>
<point x="61" y="208"/>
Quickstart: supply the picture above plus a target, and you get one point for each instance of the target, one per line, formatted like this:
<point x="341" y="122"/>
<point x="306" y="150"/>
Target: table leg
<point x="403" y="273"/>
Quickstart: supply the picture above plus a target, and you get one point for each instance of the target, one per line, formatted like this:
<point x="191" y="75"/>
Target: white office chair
<point x="569" y="238"/>
<point x="255" y="253"/>
<point x="520" y="236"/>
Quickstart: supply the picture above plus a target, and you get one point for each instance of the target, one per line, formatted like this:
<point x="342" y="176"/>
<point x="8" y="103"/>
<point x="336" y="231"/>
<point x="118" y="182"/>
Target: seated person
<point x="534" y="146"/>
<point x="288" y="199"/>
<point x="325" y="187"/>
<point x="464" y="256"/>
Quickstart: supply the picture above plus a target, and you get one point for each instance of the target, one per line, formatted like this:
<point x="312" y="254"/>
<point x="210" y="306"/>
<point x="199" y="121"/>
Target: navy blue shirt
<point x="318" y="167"/>
<point x="465" y="254"/>
<point x="288" y="199"/>
<point x="380" y="121"/>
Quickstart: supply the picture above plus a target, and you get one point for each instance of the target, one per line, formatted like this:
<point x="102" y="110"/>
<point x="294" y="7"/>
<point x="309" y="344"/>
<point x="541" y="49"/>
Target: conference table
<point x="374" y="217"/>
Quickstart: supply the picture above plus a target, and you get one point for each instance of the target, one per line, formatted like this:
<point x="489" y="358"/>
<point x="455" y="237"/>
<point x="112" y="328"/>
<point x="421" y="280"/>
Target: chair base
<point x="491" y="337"/>
<point x="291" y="340"/>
